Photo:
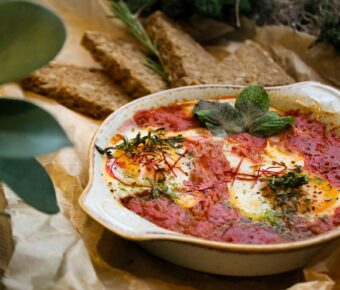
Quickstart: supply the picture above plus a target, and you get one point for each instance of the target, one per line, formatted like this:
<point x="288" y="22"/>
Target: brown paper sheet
<point x="72" y="251"/>
<point x="292" y="49"/>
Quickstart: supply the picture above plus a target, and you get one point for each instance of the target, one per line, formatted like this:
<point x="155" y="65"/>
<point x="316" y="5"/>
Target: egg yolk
<point x="322" y="194"/>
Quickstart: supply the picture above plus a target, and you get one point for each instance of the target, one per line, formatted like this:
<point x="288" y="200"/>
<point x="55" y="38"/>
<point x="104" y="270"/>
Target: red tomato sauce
<point x="320" y="148"/>
<point x="211" y="170"/>
<point x="208" y="220"/>
<point x="172" y="118"/>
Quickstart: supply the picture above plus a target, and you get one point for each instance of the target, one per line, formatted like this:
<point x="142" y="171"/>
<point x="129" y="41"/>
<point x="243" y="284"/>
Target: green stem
<point x="122" y="11"/>
<point x="136" y="29"/>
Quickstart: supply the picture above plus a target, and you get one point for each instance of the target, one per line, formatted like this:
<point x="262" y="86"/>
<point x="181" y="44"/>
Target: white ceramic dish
<point x="197" y="253"/>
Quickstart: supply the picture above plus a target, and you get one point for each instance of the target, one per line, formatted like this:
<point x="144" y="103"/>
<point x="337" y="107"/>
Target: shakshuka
<point x="238" y="187"/>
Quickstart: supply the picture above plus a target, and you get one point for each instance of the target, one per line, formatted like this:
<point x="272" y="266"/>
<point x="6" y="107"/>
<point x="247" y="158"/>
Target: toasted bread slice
<point x="125" y="63"/>
<point x="185" y="61"/>
<point x="88" y="91"/>
<point x="238" y="72"/>
<point x="188" y="63"/>
<point x="257" y="66"/>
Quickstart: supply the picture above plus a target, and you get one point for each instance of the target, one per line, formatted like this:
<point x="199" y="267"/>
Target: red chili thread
<point x="151" y="164"/>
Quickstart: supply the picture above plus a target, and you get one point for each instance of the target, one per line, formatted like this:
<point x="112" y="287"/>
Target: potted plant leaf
<point x="30" y="36"/>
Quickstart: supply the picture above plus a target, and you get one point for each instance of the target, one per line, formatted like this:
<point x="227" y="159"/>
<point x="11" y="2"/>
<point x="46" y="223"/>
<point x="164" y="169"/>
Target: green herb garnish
<point x="156" y="192"/>
<point x="157" y="67"/>
<point x="154" y="141"/>
<point x="272" y="217"/>
<point x="285" y="191"/>
<point x="292" y="179"/>
<point x="250" y="114"/>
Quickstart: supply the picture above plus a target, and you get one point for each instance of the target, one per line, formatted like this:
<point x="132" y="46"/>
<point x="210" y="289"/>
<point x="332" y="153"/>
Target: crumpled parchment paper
<point x="72" y="251"/>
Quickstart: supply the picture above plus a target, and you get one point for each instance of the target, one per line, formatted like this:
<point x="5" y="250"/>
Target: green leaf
<point x="249" y="115"/>
<point x="218" y="117"/>
<point x="29" y="180"/>
<point x="31" y="35"/>
<point x="26" y="130"/>
<point x="269" y="124"/>
<point x="217" y="131"/>
<point x="250" y="96"/>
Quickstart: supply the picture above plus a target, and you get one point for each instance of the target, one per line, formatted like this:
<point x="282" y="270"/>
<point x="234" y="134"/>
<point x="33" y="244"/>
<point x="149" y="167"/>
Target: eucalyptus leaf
<point x="27" y="130"/>
<point x="29" y="180"/>
<point x="30" y="36"/>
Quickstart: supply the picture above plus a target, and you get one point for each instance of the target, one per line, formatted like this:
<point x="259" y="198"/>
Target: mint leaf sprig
<point x="250" y="114"/>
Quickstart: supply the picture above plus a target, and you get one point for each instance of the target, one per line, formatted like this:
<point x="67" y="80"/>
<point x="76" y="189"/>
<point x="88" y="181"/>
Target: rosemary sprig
<point x="136" y="29"/>
<point x="157" y="68"/>
<point x="122" y="11"/>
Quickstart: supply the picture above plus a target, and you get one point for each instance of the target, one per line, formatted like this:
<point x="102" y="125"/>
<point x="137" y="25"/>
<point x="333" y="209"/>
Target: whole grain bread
<point x="188" y="63"/>
<point x="185" y="61"/>
<point x="88" y="91"/>
<point x="125" y="63"/>
<point x="238" y="72"/>
<point x="258" y="66"/>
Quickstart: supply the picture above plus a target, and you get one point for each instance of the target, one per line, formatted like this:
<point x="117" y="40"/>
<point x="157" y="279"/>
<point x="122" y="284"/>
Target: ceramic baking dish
<point x="193" y="252"/>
